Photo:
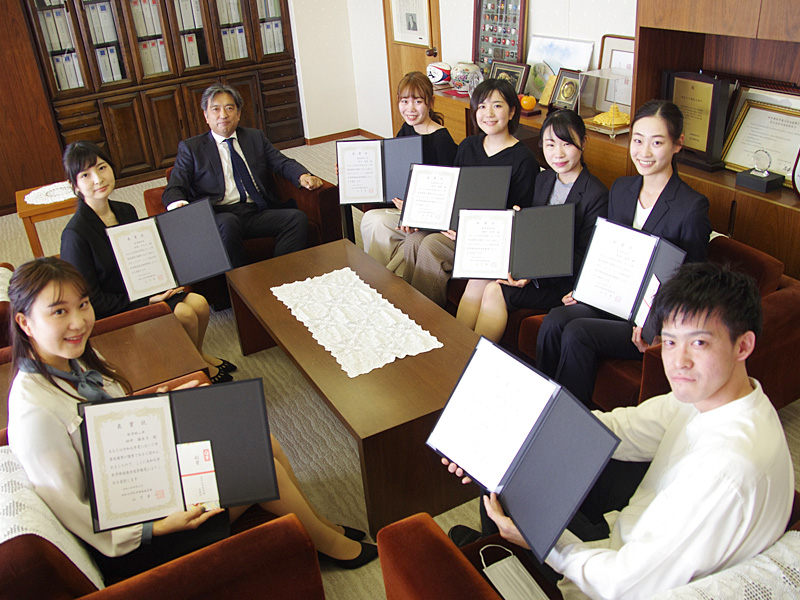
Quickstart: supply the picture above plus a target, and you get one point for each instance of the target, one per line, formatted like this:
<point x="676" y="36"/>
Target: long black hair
<point x="26" y="284"/>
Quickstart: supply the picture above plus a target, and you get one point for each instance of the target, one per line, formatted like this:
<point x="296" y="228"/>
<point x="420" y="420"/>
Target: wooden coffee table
<point x="389" y="411"/>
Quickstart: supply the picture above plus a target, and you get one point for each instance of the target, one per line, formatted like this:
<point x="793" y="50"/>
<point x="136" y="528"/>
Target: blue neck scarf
<point x="89" y="383"/>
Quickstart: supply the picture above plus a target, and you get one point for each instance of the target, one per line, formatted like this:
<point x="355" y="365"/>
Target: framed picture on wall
<point x="411" y="22"/>
<point x="546" y="55"/>
<point x="515" y="73"/>
<point x="567" y="89"/>
<point x="499" y="32"/>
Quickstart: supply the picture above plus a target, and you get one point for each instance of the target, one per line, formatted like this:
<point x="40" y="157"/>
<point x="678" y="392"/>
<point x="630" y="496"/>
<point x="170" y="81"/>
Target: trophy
<point x="759" y="178"/>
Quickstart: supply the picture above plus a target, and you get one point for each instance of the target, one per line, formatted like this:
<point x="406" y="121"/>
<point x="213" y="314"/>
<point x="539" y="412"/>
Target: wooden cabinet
<point x="750" y="37"/>
<point x="129" y="74"/>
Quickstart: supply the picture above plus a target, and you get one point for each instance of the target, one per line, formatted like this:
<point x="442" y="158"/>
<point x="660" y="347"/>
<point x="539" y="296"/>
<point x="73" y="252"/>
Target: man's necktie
<point x="244" y="183"/>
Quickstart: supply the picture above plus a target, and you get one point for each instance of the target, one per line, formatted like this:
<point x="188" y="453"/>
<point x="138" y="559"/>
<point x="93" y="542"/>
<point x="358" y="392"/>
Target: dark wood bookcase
<point x="128" y="75"/>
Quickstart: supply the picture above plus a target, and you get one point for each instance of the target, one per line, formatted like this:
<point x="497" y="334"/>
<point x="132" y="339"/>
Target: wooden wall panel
<point x="30" y="154"/>
<point x="780" y="20"/>
<point x="724" y="17"/>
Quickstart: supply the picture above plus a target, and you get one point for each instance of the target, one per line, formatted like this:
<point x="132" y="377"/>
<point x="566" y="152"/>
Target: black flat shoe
<point x="369" y="552"/>
<point x="221" y="377"/>
<point x="226" y="367"/>
<point x="461" y="535"/>
<point x="353" y="534"/>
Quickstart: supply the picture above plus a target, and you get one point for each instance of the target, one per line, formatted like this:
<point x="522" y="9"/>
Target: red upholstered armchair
<point x="628" y="382"/>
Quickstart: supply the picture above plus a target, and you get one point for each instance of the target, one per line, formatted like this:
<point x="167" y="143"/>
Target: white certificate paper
<point x="360" y="172"/>
<point x="615" y="265"/>
<point x="141" y="258"/>
<point x="430" y="198"/>
<point x="483" y="246"/>
<point x="134" y="466"/>
<point x="493" y="408"/>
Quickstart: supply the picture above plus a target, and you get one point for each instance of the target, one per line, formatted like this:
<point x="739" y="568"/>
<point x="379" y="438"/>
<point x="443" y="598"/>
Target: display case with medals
<point x="499" y="31"/>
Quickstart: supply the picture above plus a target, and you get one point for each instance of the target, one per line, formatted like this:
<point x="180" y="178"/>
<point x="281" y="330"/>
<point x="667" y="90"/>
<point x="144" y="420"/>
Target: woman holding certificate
<point x="485" y="304"/>
<point x="495" y="109"/>
<point x="57" y="370"/>
<point x="574" y="336"/>
<point x="85" y="245"/>
<point x="380" y="229"/>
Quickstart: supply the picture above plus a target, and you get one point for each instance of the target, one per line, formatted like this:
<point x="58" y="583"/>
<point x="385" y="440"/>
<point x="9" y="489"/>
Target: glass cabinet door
<point x="233" y="31"/>
<point x="104" y="41"/>
<point x="270" y="27"/>
<point x="151" y="35"/>
<point x="195" y="45"/>
<point x="55" y="24"/>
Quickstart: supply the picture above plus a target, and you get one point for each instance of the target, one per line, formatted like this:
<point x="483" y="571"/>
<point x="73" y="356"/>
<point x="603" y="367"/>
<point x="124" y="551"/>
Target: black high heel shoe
<point x="369" y="552"/>
<point x="352" y="533"/>
<point x="226" y="367"/>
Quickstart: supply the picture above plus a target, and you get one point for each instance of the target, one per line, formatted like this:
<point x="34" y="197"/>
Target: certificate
<point x="141" y="258"/>
<point x="694" y="100"/>
<point x="761" y="126"/>
<point x="483" y="250"/>
<point x="133" y="441"/>
<point x="430" y="198"/>
<point x="622" y="271"/>
<point x="360" y="171"/>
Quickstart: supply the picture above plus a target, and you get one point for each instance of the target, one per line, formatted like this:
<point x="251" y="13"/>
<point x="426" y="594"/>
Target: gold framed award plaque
<point x="567" y="89"/>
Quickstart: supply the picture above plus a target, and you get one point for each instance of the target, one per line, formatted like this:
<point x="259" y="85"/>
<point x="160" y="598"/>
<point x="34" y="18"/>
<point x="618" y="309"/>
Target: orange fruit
<point x="528" y="102"/>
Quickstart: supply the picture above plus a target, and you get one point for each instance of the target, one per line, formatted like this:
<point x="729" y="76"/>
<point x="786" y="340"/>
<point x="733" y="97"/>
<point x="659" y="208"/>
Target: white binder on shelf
<point x="138" y="18"/>
<point x="77" y="66"/>
<point x="262" y="10"/>
<point x="155" y="57"/>
<point x="113" y="60"/>
<point x="49" y="30"/>
<point x="62" y="27"/>
<point x="233" y="11"/>
<point x="104" y="65"/>
<point x="184" y="10"/>
<point x="94" y="24"/>
<point x="269" y="39"/>
<point x="277" y="32"/>
<point x="107" y="22"/>
<point x="222" y="11"/>
<point x="147" y="58"/>
<point x="192" y="54"/>
<point x="197" y="14"/>
<point x="241" y="41"/>
<point x="69" y="70"/>
<point x="156" y="17"/>
<point x="162" y="55"/>
<point x="147" y="17"/>
<point x="61" y="76"/>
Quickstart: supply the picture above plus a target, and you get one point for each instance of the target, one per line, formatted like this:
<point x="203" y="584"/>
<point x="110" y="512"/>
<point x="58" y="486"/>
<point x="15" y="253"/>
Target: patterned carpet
<point x="321" y="450"/>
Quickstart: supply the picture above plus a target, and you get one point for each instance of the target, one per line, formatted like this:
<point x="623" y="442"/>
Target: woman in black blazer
<point x="573" y="337"/>
<point x="485" y="304"/>
<point x="85" y="245"/>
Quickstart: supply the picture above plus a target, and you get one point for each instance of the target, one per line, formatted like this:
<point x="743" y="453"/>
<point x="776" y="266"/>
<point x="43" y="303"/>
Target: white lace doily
<point x="353" y="322"/>
<point x="50" y="194"/>
<point x="772" y="575"/>
<point x="22" y="511"/>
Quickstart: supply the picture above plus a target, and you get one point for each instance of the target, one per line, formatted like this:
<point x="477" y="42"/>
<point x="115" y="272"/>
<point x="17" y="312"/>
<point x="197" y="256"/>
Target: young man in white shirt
<point x="720" y="484"/>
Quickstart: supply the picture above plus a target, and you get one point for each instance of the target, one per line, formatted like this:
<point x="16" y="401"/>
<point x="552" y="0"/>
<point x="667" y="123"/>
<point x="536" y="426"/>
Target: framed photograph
<point x="499" y="32"/>
<point x="567" y="89"/>
<point x="616" y="52"/>
<point x="546" y="55"/>
<point x="796" y="175"/>
<point x="772" y="131"/>
<point x="515" y="73"/>
<point x="410" y="22"/>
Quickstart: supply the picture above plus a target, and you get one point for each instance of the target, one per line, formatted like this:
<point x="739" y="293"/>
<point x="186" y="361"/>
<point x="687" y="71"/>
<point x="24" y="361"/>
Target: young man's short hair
<point x="705" y="289"/>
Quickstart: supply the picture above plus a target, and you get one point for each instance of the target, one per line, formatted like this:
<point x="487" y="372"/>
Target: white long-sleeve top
<point x="719" y="491"/>
<point x="43" y="433"/>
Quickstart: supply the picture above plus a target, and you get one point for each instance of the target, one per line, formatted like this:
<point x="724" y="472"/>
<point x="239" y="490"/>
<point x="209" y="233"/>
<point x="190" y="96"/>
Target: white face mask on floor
<point x="510" y="578"/>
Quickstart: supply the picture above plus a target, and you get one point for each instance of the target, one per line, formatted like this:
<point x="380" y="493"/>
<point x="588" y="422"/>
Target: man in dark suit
<point x="232" y="166"/>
